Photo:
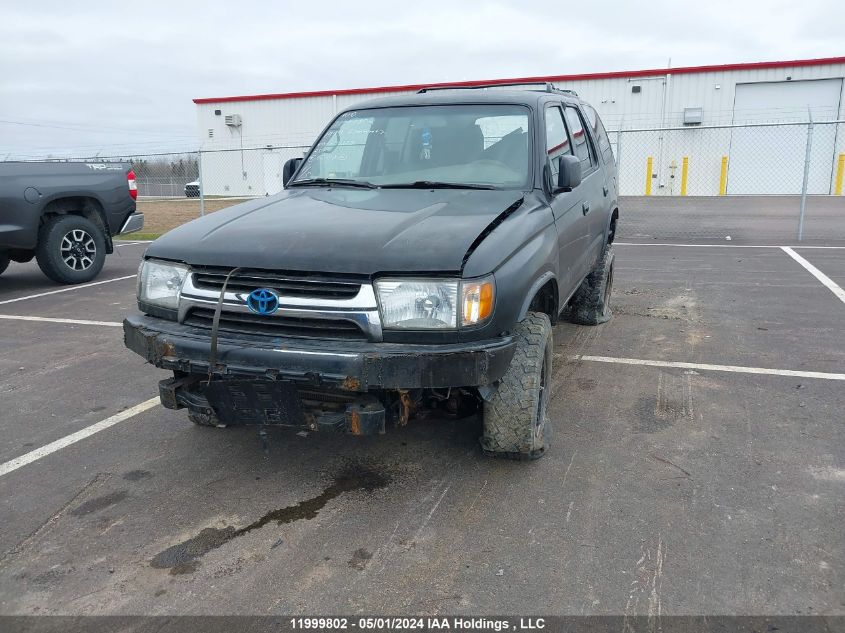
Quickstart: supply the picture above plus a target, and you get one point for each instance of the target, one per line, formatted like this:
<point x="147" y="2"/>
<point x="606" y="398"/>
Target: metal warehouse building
<point x="715" y="117"/>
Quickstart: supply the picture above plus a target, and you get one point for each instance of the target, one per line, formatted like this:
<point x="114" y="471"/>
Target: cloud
<point x="123" y="76"/>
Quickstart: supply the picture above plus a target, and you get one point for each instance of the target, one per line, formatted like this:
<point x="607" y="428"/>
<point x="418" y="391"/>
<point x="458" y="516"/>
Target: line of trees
<point x="183" y="168"/>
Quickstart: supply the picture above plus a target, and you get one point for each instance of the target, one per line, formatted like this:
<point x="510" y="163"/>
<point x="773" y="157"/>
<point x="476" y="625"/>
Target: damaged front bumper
<point x="259" y="373"/>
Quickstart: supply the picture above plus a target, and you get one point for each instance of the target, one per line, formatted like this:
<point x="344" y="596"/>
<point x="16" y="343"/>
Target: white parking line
<point x="15" y="317"/>
<point x="68" y="289"/>
<point x="815" y="272"/>
<point x="719" y="245"/>
<point x="695" y="245"/>
<point x="73" y="438"/>
<point x="707" y="367"/>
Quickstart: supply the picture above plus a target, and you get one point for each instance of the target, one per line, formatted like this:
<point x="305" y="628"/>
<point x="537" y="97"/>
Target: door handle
<point x="585" y="207"/>
<point x="605" y="190"/>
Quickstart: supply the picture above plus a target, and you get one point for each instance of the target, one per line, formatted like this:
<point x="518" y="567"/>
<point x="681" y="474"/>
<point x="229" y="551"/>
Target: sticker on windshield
<point x="425" y="153"/>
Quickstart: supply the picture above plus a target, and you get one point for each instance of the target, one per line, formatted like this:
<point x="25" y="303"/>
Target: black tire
<point x="516" y="416"/>
<point x="4" y="263"/>
<point x="590" y="305"/>
<point x="204" y="419"/>
<point x="71" y="249"/>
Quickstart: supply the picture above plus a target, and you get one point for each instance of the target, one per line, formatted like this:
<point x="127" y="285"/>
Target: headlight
<point x="418" y="304"/>
<point x="159" y="283"/>
<point x="434" y="304"/>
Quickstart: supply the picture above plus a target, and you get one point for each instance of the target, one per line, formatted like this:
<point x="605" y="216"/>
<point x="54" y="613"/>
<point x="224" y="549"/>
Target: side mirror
<point x="291" y="165"/>
<point x="569" y="175"/>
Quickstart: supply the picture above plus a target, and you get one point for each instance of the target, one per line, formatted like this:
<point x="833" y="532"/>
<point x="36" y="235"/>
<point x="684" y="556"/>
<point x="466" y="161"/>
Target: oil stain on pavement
<point x="360" y="558"/>
<point x="182" y="558"/>
<point x="100" y="503"/>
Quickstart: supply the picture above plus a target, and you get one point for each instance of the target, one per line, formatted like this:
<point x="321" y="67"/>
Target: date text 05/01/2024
<point x="417" y="623"/>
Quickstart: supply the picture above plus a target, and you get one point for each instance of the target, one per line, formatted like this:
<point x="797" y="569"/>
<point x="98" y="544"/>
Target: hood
<point x="341" y="230"/>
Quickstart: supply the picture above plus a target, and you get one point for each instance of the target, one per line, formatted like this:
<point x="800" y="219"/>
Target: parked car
<point x="192" y="189"/>
<point x="65" y="215"/>
<point x="418" y="257"/>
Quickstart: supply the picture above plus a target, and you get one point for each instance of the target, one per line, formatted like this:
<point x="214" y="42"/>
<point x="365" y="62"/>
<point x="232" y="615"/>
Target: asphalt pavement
<point x="713" y="487"/>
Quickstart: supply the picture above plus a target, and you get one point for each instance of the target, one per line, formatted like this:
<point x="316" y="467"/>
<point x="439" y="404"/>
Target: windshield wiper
<point x="344" y="182"/>
<point x="433" y="184"/>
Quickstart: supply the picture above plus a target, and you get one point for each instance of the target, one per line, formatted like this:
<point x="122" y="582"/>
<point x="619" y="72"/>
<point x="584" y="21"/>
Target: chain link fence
<point x="772" y="181"/>
<point x="249" y="173"/>
<point x="761" y="159"/>
<point x="165" y="175"/>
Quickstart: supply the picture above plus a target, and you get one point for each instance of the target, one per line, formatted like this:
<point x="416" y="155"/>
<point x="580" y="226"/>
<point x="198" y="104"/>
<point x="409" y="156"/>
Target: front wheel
<point x="516" y="416"/>
<point x="71" y="249"/>
<point x="205" y="419"/>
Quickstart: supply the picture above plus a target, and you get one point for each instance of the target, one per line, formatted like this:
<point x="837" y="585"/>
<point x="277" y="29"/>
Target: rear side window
<point x="600" y="134"/>
<point x="583" y="149"/>
<point x="557" y="141"/>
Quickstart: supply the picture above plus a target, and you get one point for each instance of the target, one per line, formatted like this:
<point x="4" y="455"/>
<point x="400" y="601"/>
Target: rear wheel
<point x="516" y="416"/>
<point x="71" y="249"/>
<point x="4" y="263"/>
<point x="590" y="305"/>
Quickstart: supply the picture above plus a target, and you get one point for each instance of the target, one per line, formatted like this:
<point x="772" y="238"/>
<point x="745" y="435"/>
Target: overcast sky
<point x="114" y="77"/>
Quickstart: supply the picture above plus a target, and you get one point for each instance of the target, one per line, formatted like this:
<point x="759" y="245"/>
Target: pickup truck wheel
<point x="71" y="249"/>
<point x="516" y="416"/>
<point x="590" y="305"/>
<point x="4" y="263"/>
<point x="204" y="419"/>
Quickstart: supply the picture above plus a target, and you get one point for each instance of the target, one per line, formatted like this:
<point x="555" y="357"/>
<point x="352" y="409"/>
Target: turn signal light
<point x="477" y="301"/>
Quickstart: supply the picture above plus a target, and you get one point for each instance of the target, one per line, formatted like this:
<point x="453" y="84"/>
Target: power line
<point x="89" y="129"/>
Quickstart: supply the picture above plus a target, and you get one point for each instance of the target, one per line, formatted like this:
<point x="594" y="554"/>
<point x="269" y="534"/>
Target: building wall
<point x="283" y="127"/>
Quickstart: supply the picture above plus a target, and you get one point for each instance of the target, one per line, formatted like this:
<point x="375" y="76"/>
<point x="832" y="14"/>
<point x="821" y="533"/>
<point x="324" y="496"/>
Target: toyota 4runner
<point x="418" y="257"/>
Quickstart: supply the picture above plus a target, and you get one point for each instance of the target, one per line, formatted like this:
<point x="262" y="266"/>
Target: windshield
<point x="455" y="145"/>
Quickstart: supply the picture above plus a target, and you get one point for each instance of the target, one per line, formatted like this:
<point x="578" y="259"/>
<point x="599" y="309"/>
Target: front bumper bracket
<point x="274" y="403"/>
<point x="356" y="366"/>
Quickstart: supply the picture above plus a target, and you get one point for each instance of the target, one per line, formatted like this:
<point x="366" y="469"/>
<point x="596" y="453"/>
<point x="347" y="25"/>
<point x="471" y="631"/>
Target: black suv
<point x="418" y="257"/>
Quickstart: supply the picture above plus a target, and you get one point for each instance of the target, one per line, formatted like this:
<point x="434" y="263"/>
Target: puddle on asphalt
<point x="182" y="557"/>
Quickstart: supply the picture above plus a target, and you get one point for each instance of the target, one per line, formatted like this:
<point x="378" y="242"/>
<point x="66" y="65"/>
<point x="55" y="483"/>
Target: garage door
<point x="771" y="159"/>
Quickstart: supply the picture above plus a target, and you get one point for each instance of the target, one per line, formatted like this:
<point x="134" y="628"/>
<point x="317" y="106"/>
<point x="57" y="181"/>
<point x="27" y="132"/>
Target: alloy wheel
<point x="78" y="249"/>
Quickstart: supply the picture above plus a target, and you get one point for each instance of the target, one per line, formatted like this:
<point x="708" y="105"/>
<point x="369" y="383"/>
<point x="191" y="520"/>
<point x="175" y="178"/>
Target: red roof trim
<point x="490" y="82"/>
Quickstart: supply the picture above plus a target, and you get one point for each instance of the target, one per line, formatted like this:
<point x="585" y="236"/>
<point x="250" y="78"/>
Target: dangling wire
<point x="212" y="360"/>
<point x="215" y="324"/>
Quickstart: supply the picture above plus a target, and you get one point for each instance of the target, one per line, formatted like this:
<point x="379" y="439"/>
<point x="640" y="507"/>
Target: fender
<point x="609" y="234"/>
<point x="62" y="201"/>
<point x="541" y="281"/>
<point x="61" y="194"/>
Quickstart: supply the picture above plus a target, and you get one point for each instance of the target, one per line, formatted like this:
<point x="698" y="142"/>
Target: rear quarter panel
<point x="26" y="189"/>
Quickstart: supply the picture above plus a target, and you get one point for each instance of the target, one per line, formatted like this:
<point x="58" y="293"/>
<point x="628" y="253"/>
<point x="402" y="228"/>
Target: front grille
<point x="244" y="323"/>
<point x="285" y="284"/>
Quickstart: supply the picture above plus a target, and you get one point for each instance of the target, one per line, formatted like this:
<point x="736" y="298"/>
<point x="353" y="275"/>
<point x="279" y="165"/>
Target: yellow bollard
<point x="840" y="171"/>
<point x="649" y="166"/>
<point x="684" y="174"/>
<point x="723" y="177"/>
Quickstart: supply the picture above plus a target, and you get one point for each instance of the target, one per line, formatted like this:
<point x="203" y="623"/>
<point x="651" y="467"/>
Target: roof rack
<point x="547" y="87"/>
